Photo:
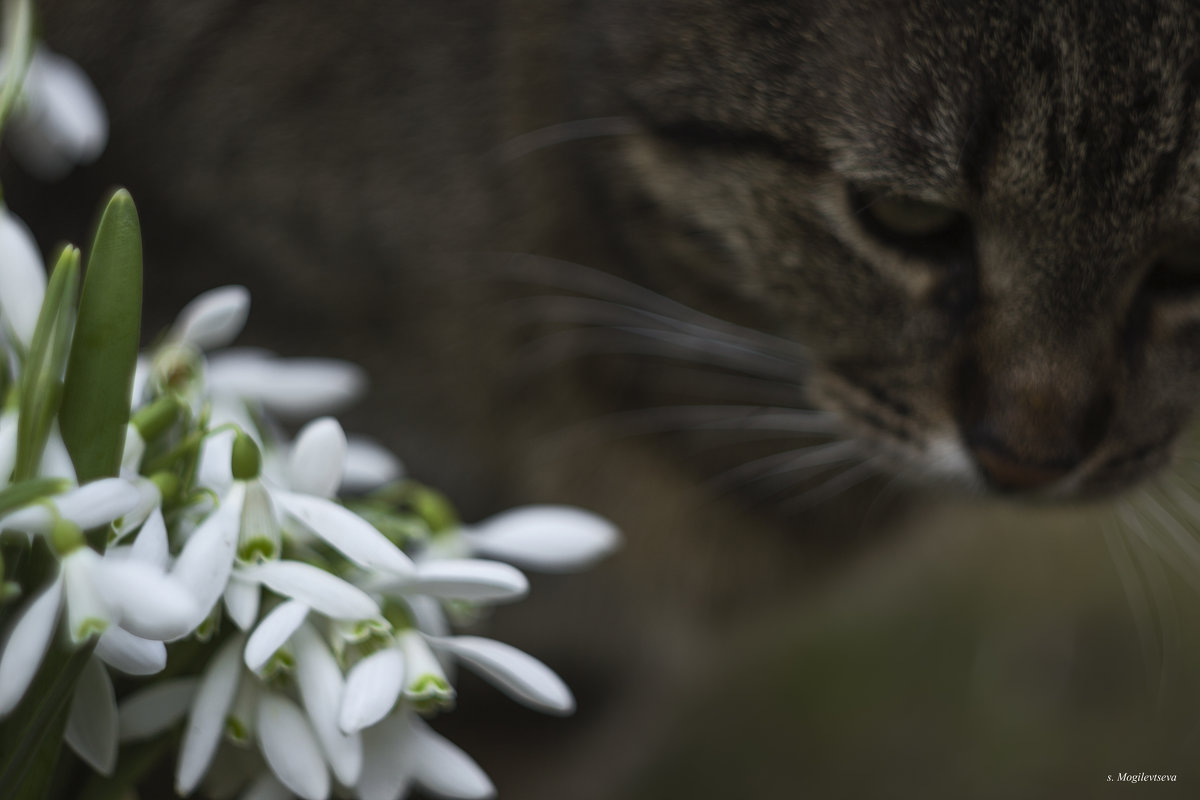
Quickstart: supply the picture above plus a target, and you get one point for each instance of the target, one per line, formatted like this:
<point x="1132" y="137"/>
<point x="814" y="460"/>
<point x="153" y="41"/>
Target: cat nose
<point x="1027" y="434"/>
<point x="1008" y="472"/>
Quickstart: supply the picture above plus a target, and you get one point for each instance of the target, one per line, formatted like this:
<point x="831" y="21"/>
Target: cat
<point x="945" y="243"/>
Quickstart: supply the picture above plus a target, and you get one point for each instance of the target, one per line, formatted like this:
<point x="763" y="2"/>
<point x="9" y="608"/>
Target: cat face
<point x="981" y="219"/>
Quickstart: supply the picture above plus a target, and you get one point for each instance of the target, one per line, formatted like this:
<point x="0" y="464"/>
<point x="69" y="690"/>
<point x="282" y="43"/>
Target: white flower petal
<point x="27" y="643"/>
<point x="373" y="686"/>
<point x="290" y="748"/>
<point x="513" y="671"/>
<point x="266" y="787"/>
<point x="149" y="498"/>
<point x="273" y="632"/>
<point x="154" y="709"/>
<point x="146" y="601"/>
<point x="443" y="768"/>
<point x="294" y="388"/>
<point x="368" y="465"/>
<point x="87" y="613"/>
<point x="92" y="724"/>
<point x="324" y="593"/>
<point x="318" y="455"/>
<point x="56" y="463"/>
<point x="132" y="452"/>
<point x="141" y="376"/>
<point x="99" y="502"/>
<point x="214" y="698"/>
<point x="472" y="579"/>
<point x="88" y="506"/>
<point x="241" y="601"/>
<point x="151" y="545"/>
<point x="213" y="319"/>
<point x="357" y="539"/>
<point x="63" y="121"/>
<point x="131" y="654"/>
<point x="8" y="444"/>
<point x="424" y="677"/>
<point x="387" y="760"/>
<point x="206" y="561"/>
<point x="321" y="687"/>
<point x="428" y="614"/>
<point x="546" y="538"/>
<point x="214" y="471"/>
<point x="22" y="277"/>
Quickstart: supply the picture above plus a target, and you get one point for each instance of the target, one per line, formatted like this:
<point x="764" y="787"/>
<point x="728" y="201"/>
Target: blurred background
<point x="365" y="170"/>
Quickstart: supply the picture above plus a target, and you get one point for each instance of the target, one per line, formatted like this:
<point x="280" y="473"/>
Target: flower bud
<point x="247" y="459"/>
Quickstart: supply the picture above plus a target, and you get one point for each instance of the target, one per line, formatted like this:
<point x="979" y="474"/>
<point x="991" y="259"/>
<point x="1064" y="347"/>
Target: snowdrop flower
<point x="301" y="747"/>
<point x="403" y="750"/>
<point x="100" y="592"/>
<point x="295" y="388"/>
<point x="22" y="278"/>
<point x="92" y="724"/>
<point x="249" y="526"/>
<point x="61" y="121"/>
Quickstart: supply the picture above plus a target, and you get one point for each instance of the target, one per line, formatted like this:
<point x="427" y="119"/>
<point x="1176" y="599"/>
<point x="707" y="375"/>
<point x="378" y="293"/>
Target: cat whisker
<point x="1134" y="586"/>
<point x="571" y="277"/>
<point x="886" y="492"/>
<point x="608" y="313"/>
<point x="562" y="133"/>
<point x="841" y="482"/>
<point x="760" y="419"/>
<point x="555" y="348"/>
<point x="1150" y="562"/>
<point x="796" y="459"/>
<point x="1178" y="545"/>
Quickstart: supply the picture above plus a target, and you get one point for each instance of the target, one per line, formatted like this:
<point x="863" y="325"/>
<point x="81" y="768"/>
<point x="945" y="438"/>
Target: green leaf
<point x="19" y="494"/>
<point x="99" y="384"/>
<point x="31" y="737"/>
<point x="18" y="49"/>
<point x="41" y="378"/>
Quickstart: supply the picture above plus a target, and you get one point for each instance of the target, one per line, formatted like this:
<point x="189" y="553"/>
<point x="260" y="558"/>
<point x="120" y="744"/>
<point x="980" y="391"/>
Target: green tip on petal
<point x="247" y="460"/>
<point x="237" y="730"/>
<point x="280" y="664"/>
<point x="89" y="627"/>
<point x="256" y="550"/>
<point x="430" y="693"/>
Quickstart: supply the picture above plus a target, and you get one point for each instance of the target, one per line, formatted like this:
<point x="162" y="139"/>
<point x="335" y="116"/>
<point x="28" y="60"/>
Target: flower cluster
<point x="301" y="592"/>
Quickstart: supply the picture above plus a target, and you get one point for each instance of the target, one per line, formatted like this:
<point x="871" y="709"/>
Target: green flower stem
<point x="188" y="447"/>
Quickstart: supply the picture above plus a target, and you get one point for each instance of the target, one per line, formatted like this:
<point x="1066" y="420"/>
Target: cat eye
<point x="909" y="217"/>
<point x="907" y="222"/>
